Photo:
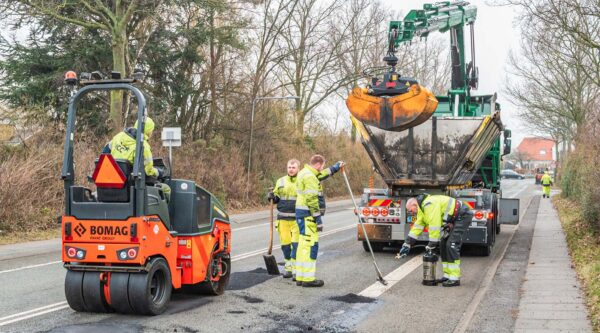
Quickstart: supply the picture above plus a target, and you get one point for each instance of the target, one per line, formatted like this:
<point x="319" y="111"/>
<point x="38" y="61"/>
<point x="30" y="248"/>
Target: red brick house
<point x="536" y="153"/>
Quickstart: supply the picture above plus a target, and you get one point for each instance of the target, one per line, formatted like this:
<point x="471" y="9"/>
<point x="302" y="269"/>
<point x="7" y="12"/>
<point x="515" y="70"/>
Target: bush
<point x="579" y="174"/>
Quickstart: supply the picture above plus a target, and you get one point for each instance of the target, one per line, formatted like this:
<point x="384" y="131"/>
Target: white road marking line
<point x="32" y="310"/>
<point x="33" y="313"/>
<point x="250" y="226"/>
<point x="63" y="305"/>
<point x="30" y="266"/>
<point x="376" y="289"/>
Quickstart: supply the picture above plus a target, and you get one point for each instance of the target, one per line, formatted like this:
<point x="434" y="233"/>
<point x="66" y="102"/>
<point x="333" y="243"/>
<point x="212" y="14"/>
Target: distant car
<point x="507" y="174"/>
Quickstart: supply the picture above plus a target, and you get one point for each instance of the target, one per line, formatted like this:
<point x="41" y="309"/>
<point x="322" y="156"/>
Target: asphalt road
<point x="32" y="297"/>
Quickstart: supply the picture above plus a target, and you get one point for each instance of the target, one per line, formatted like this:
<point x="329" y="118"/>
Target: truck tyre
<point x="485" y="250"/>
<point x="74" y="290"/>
<point x="93" y="293"/>
<point x="150" y="292"/>
<point x="376" y="246"/>
<point x="498" y="228"/>
<point x="215" y="285"/>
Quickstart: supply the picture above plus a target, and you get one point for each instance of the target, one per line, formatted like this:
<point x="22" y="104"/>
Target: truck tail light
<point x="478" y="215"/>
<point x="375" y="211"/>
<point x="133" y="233"/>
<point x="384" y="212"/>
<point x="490" y="215"/>
<point x="366" y="211"/>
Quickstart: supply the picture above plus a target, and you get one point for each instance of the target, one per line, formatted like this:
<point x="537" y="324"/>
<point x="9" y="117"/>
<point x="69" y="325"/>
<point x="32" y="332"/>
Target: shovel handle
<point x="271" y="226"/>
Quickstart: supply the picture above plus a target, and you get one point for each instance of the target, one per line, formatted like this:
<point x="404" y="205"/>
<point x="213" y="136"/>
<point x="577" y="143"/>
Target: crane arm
<point x="441" y="16"/>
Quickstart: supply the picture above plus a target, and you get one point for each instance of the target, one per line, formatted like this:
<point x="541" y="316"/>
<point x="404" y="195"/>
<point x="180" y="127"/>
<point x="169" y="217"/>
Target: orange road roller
<point x="128" y="244"/>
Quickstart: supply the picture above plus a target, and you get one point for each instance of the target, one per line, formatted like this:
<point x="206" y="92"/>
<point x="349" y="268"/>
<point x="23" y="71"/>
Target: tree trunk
<point x="119" y="50"/>
<point x="299" y="118"/>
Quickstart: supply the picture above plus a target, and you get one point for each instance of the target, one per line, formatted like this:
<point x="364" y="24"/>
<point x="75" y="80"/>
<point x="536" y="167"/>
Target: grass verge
<point x="584" y="247"/>
<point x="19" y="237"/>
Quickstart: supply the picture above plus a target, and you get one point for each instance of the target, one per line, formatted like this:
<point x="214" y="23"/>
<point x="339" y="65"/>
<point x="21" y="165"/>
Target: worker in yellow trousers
<point x="284" y="195"/>
<point x="546" y="184"/>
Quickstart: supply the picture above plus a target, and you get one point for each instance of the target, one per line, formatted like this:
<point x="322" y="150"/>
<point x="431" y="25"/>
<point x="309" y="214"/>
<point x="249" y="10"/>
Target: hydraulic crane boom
<point x="443" y="17"/>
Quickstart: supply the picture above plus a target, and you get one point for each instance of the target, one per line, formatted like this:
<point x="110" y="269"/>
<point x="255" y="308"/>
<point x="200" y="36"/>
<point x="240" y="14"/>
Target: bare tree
<point x="550" y="83"/>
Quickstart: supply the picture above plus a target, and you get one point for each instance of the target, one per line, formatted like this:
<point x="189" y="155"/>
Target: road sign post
<point x="171" y="137"/>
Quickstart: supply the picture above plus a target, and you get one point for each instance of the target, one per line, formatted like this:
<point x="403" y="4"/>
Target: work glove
<point x="337" y="166"/>
<point x="271" y="197"/>
<point x="404" y="250"/>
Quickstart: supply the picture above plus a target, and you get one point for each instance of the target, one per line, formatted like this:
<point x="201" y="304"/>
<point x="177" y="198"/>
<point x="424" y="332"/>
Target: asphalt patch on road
<point x="250" y="299"/>
<point x="236" y="311"/>
<point x="185" y="302"/>
<point x="352" y="299"/>
<point x="245" y="280"/>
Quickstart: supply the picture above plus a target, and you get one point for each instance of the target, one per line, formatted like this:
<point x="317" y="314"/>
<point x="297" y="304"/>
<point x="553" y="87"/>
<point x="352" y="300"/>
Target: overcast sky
<point x="495" y="35"/>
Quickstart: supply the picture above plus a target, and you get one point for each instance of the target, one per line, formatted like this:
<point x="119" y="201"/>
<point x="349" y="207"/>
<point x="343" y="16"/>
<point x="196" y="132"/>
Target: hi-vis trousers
<point x="308" y="247"/>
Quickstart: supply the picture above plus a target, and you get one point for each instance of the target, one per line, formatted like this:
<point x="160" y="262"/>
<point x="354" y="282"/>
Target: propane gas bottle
<point x="430" y="260"/>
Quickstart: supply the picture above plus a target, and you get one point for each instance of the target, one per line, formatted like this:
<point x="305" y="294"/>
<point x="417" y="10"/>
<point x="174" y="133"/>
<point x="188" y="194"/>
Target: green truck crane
<point x="418" y="143"/>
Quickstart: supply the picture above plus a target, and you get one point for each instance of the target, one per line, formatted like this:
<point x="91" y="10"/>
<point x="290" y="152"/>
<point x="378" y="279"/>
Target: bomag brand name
<point x="109" y="230"/>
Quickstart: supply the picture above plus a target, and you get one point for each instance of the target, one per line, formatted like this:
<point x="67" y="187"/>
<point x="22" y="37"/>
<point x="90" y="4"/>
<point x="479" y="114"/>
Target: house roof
<point x="537" y="149"/>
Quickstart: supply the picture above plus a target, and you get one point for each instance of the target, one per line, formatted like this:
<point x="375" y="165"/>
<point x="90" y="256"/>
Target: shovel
<point x="270" y="261"/>
<point x="377" y="271"/>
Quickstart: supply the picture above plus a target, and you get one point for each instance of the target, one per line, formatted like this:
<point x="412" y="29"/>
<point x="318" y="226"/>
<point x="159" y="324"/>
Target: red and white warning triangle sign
<point x="107" y="173"/>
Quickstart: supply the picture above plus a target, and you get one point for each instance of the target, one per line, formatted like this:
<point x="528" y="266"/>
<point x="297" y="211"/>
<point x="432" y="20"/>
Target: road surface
<point x="32" y="295"/>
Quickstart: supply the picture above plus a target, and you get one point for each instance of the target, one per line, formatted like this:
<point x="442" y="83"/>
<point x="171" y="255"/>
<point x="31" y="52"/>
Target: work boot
<point x="299" y="283"/>
<point x="314" y="283"/>
<point x="287" y="275"/>
<point x="442" y="280"/>
<point x="451" y="283"/>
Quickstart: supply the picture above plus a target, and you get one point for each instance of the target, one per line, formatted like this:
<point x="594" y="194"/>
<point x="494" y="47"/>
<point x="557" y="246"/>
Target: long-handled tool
<point x="379" y="276"/>
<point x="270" y="261"/>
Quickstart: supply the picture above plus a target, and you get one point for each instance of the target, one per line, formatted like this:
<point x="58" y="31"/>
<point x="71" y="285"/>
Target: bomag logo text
<point x="109" y="230"/>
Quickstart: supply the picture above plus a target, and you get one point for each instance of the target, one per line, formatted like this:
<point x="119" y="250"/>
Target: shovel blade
<point x="271" y="264"/>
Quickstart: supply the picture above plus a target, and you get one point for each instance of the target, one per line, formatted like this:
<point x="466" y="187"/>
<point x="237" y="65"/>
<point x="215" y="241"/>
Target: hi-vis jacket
<point x="308" y="186"/>
<point x="285" y="190"/>
<point x="122" y="146"/>
<point x="433" y="211"/>
<point x="324" y="174"/>
<point x="546" y="180"/>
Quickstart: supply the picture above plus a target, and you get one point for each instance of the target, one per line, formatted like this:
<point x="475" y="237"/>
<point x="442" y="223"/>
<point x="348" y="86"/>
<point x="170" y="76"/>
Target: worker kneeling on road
<point x="546" y="182"/>
<point x="123" y="145"/>
<point x="308" y="217"/>
<point x="284" y="195"/>
<point x="440" y="213"/>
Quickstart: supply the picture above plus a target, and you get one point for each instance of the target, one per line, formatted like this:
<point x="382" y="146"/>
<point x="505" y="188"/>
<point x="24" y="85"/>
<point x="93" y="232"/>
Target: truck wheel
<point x="119" y="295"/>
<point x="150" y="293"/>
<point x="376" y="246"/>
<point x="93" y="293"/>
<point x="497" y="229"/>
<point x="485" y="250"/>
<point x="74" y="290"/>
<point x="217" y="274"/>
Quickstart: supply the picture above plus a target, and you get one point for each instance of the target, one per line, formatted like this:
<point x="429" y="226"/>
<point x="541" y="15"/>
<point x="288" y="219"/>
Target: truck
<point x="420" y="143"/>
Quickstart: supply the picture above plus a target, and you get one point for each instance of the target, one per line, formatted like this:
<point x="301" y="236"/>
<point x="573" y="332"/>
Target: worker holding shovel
<point x="284" y="195"/>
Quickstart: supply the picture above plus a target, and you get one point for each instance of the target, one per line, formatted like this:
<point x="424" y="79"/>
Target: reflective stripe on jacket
<point x="285" y="189"/>
<point x="307" y="189"/>
<point x="122" y="146"/>
<point x="433" y="211"/>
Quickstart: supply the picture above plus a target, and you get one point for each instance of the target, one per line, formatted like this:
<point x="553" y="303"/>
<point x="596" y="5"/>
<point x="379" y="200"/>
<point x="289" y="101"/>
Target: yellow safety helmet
<point x="148" y="126"/>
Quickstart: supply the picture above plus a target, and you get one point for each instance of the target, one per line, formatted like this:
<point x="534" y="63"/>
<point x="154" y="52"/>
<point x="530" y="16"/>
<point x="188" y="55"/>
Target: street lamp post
<point x="256" y="99"/>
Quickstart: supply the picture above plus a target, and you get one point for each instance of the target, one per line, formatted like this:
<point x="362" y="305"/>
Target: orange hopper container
<point x="393" y="113"/>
